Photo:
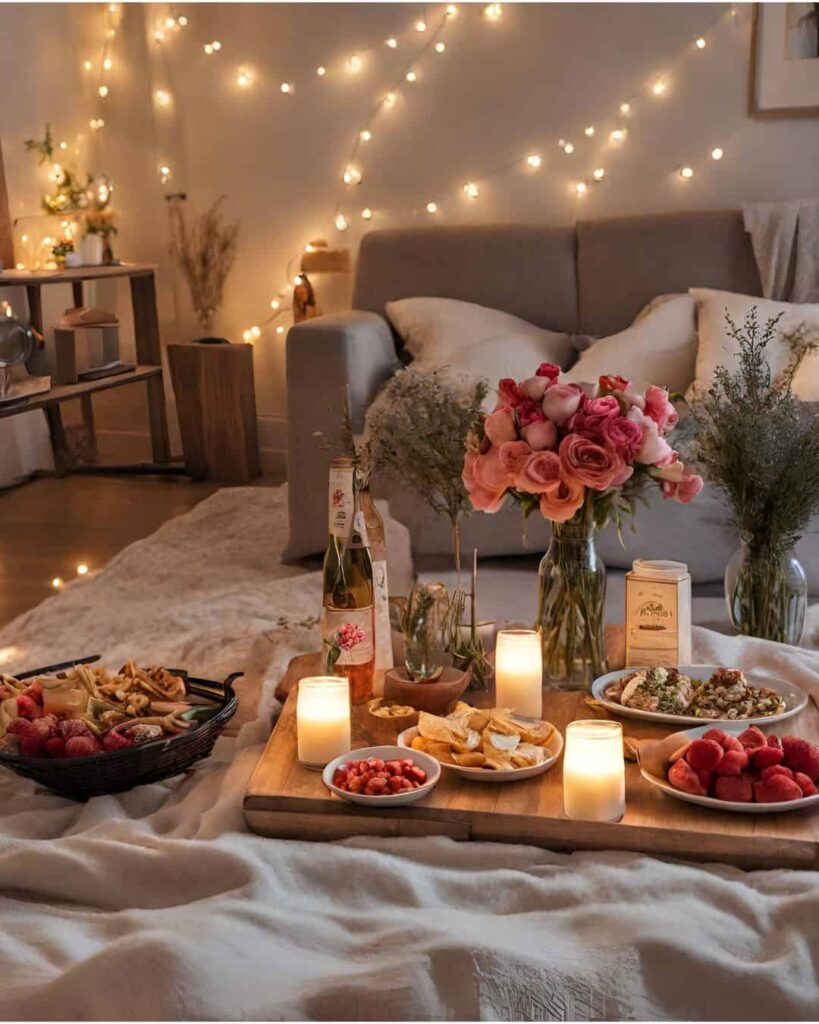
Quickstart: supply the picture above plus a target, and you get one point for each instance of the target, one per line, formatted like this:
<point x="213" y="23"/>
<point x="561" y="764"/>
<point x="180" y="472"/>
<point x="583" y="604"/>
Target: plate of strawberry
<point x="735" y="769"/>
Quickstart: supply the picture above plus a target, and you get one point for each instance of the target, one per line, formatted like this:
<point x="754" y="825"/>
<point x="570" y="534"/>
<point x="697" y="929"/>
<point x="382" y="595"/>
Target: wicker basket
<point x="84" y="777"/>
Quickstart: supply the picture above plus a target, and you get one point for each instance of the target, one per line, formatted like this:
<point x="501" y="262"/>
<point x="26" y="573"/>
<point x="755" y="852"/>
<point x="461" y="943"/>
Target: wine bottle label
<point x="341" y="501"/>
<point x="358" y="534"/>
<point x="383" y="633"/>
<point x="351" y="631"/>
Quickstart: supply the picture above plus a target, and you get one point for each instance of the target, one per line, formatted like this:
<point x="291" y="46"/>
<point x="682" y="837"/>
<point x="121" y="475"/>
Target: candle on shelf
<point x="594" y="781"/>
<point x="519" y="672"/>
<point x="323" y="719"/>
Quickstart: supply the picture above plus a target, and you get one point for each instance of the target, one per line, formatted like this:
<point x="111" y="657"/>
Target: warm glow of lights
<point x="255" y="332"/>
<point x="700" y="43"/>
<point x="247" y="337"/>
<point x="392" y="42"/>
<point x="107" y="63"/>
<point x="103" y="91"/>
<point x="618" y="135"/>
<point x="111" y="33"/>
<point x="170" y="22"/>
<point x="432" y="207"/>
<point x="208" y="48"/>
<point x="82" y="569"/>
<point x="534" y="160"/>
<point x="48" y="241"/>
<point x="183" y="21"/>
<point x="365" y="135"/>
<point x="341" y="222"/>
<point x="297" y="279"/>
<point x="286" y="88"/>
<point x="440" y="47"/>
<point x="216" y="45"/>
<point x="244" y="78"/>
<point x="471" y="190"/>
<point x="588" y="131"/>
<point x="321" y="71"/>
<point x="420" y="25"/>
<point x="63" y="145"/>
<point x="568" y="147"/>
<point x="389" y="99"/>
<point x="411" y="76"/>
<point x="280" y="329"/>
<point x="625" y="108"/>
<point x="659" y="87"/>
<point x="717" y="153"/>
<point x="351" y="176"/>
<point x="367" y="213"/>
<point x="686" y="172"/>
<point x="96" y="123"/>
<point x="57" y="582"/>
<point x="159" y="35"/>
<point x="599" y="174"/>
<point x="581" y="188"/>
<point x="493" y="11"/>
<point x="113" y="8"/>
<point x="451" y="10"/>
<point x="274" y="304"/>
<point x="87" y="65"/>
<point x="56" y="172"/>
<point x="162" y="97"/>
<point x="164" y="173"/>
<point x="19" y="266"/>
<point x="354" y="63"/>
<point x="24" y="238"/>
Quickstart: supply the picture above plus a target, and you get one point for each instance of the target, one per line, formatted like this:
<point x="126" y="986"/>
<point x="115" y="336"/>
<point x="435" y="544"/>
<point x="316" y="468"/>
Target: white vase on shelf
<point x="91" y="250"/>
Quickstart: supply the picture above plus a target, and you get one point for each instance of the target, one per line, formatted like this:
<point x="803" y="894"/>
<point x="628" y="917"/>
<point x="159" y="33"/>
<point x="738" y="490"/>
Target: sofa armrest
<point x="329" y="359"/>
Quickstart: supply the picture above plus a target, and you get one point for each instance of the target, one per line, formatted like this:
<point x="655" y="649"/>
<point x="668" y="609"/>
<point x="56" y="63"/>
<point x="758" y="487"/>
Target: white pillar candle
<point x="519" y="672"/>
<point x="323" y="719"/>
<point x="594" y="779"/>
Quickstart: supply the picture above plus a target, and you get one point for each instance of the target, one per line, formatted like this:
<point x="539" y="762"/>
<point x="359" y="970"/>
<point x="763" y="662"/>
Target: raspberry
<point x="55" y="747"/>
<point x="801" y="756"/>
<point x="114" y="740"/>
<point x="45" y="726"/>
<point x="31" y="746"/>
<point x="28" y="708"/>
<point x="734" y="787"/>
<point x="805" y="784"/>
<point x="683" y="777"/>
<point x="776" y="788"/>
<point x="764" y="757"/>
<point x="733" y="762"/>
<point x="81" y="746"/>
<point x="35" y="691"/>
<point x="70" y="727"/>
<point x="704" y="754"/>
<point x="22" y="727"/>
<point x="752" y="737"/>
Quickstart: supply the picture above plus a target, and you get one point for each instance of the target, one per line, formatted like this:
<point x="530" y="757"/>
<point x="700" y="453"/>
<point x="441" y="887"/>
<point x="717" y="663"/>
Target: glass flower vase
<point x="572" y="592"/>
<point x="766" y="594"/>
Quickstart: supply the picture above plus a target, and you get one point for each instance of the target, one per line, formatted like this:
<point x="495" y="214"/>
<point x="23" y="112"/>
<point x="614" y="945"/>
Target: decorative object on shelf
<point x="95" y="246"/>
<point x="205" y="252"/>
<point x="658" y="613"/>
<point x="436" y="696"/>
<point x="784" y="61"/>
<point x="519" y="672"/>
<point x="425" y="653"/>
<point x="594" y="771"/>
<point x="304" y="299"/>
<point x="329" y="271"/>
<point x="416" y="428"/>
<point x="323" y="719"/>
<point x="760" y="446"/>
<point x="581" y="455"/>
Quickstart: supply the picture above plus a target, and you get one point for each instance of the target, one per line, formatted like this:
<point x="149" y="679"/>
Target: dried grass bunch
<point x="205" y="252"/>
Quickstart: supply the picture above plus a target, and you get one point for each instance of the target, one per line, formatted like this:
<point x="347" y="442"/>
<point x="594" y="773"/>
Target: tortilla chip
<point x="441" y="730"/>
<point x="473" y="760"/>
<point x="441" y="751"/>
<point x="527" y="755"/>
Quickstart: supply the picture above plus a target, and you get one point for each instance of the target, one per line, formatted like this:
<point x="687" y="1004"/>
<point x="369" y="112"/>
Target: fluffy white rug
<point x="158" y="904"/>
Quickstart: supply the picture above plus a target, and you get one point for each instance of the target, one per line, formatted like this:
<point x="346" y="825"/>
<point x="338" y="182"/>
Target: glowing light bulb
<point x="588" y="131"/>
<point x="493" y="11"/>
<point x="618" y="135"/>
<point x="247" y="337"/>
<point x="159" y="35"/>
<point x="255" y="332"/>
<point x="700" y="43"/>
<point x="367" y="213"/>
<point x="365" y="135"/>
<point x="107" y="63"/>
<point x="581" y="188"/>
<point x="162" y="97"/>
<point x="534" y="160"/>
<point x="19" y="266"/>
<point x="23" y="239"/>
<point x="87" y="65"/>
<point x="182" y="20"/>
<point x="717" y="153"/>
<point x="659" y="87"/>
<point x="113" y="8"/>
<point x="280" y="329"/>
<point x="351" y="176"/>
<point x="471" y="190"/>
<point x="625" y="108"/>
<point x="354" y="63"/>
<point x="341" y="222"/>
<point x="411" y="76"/>
<point x="96" y="123"/>
<point x="208" y="48"/>
<point x="103" y="91"/>
<point x="56" y="172"/>
<point x="321" y="71"/>
<point x="63" y="145"/>
<point x="56" y="583"/>
<point x="420" y="25"/>
<point x="244" y="78"/>
<point x="297" y="279"/>
<point x="392" y="42"/>
<point x="111" y="33"/>
<point x="286" y="88"/>
<point x="568" y="147"/>
<point x="48" y="241"/>
<point x="216" y="45"/>
<point x="599" y="174"/>
<point x="170" y="22"/>
<point x="432" y="207"/>
<point x="451" y="10"/>
<point x="389" y="99"/>
<point x="82" y="569"/>
<point x="164" y="173"/>
<point x="274" y="304"/>
<point x="686" y="172"/>
<point x="440" y="47"/>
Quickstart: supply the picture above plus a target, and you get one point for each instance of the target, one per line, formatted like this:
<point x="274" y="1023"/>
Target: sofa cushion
<point x="529" y="272"/>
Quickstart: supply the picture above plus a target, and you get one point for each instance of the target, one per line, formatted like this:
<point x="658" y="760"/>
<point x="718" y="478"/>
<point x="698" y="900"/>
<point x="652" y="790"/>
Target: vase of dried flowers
<point x="766" y="593"/>
<point x="205" y="252"/>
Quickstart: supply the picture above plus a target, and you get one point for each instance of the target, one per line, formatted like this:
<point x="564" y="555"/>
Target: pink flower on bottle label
<point x="349" y="636"/>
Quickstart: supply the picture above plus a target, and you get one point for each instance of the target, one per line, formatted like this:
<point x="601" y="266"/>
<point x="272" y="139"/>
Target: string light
<point x="392" y="42"/>
<point x="420" y="25"/>
<point x="599" y="174"/>
<point x="581" y="188"/>
<point x="717" y="153"/>
<point x="56" y="172"/>
<point x="588" y="131"/>
<point x="700" y="43"/>
<point x="244" y="77"/>
<point x="164" y="173"/>
<point x="286" y="88"/>
<point x="217" y="46"/>
<point x="341" y="222"/>
<point x="686" y="172"/>
<point x="170" y="22"/>
<point x="102" y="91"/>
<point x="533" y="160"/>
<point x="351" y="176"/>
<point x="107" y="63"/>
<point x="440" y="47"/>
<point x="56" y="583"/>
<point x="659" y="87"/>
<point x="411" y="76"/>
<point x="275" y="302"/>
<point x="432" y="207"/>
<point x="618" y="135"/>
<point x="365" y="135"/>
<point x="87" y="65"/>
<point x="451" y="10"/>
<point x="493" y="11"/>
<point x="389" y="100"/>
<point x="96" y="123"/>
<point x="367" y="213"/>
<point x="354" y="63"/>
<point x="471" y="190"/>
<point x="162" y="97"/>
<point x="568" y="147"/>
<point x="321" y="71"/>
<point x="625" y="109"/>
<point x="182" y="20"/>
<point x="82" y="569"/>
<point x="159" y="35"/>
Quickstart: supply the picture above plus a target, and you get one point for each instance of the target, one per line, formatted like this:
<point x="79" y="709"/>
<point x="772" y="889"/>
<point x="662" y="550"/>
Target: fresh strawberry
<point x="776" y="769"/>
<point x="31" y="746"/>
<point x="734" y="762"/>
<point x="717" y="735"/>
<point x="764" y="757"/>
<point x="81" y="746"/>
<point x="704" y="755"/>
<point x="683" y="777"/>
<point x="752" y="737"/>
<point x="734" y="787"/>
<point x="805" y="784"/>
<point x="28" y="708"/>
<point x="55" y="747"/>
<point x="70" y="727"/>
<point x="801" y="756"/>
<point x="776" y="788"/>
<point x="706" y="778"/>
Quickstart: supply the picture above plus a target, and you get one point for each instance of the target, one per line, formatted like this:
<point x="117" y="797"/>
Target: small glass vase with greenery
<point x="760" y="446"/>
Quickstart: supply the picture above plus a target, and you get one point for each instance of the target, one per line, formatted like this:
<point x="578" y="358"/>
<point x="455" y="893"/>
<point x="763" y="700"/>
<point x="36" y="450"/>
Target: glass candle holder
<point x="594" y="775"/>
<point x="519" y="672"/>
<point x="323" y="719"/>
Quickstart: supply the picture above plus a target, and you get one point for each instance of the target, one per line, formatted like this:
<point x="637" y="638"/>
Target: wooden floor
<point x="50" y="525"/>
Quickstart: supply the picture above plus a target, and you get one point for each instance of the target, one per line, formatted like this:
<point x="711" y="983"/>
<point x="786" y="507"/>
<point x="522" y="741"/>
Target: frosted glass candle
<point x="594" y="777"/>
<point x="519" y="672"/>
<point x="323" y="719"/>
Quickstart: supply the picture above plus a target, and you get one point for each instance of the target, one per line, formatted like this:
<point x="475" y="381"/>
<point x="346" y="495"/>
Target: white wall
<point x="500" y="91"/>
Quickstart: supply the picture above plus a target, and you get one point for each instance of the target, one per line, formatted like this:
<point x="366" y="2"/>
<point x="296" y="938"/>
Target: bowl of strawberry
<point x="382" y="776"/>
<point x="742" y="769"/>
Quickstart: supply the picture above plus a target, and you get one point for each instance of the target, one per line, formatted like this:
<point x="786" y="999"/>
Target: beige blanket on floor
<point x="158" y="904"/>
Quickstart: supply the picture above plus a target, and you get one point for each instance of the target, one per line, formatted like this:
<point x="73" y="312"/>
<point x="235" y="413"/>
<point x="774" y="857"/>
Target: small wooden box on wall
<point x="216" y="407"/>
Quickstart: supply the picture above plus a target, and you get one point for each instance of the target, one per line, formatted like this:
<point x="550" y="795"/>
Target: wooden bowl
<point x="437" y="698"/>
<point x="383" y="729"/>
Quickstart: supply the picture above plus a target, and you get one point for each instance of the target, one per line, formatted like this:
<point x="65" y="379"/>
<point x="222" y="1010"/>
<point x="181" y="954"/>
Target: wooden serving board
<point x="285" y="800"/>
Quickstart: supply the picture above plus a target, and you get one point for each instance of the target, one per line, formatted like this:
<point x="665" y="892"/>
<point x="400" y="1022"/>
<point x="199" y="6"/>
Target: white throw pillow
<point x="659" y="348"/>
<point x="475" y="340"/>
<point x="718" y="349"/>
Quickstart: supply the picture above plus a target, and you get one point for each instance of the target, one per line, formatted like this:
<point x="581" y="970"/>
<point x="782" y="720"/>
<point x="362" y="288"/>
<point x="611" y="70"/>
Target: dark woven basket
<point x="84" y="777"/>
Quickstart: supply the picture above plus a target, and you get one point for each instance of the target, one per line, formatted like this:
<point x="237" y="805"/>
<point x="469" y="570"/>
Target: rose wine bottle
<point x="378" y="553"/>
<point x="348" y="626"/>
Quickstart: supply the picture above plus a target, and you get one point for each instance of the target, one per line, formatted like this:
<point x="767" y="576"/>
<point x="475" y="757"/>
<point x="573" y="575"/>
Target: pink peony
<point x="561" y="401"/>
<point x="483" y="498"/>
<point x="540" y="435"/>
<point x="658" y="406"/>
<point x="513" y="455"/>
<point x="529" y="412"/>
<point x="499" y="427"/>
<point x="654" y="449"/>
<point x="560" y="502"/>
<point x="670" y="469"/>
<point x="623" y="435"/>
<point x="686" y="490"/>
<point x="614" y="384"/>
<point x="539" y="473"/>
<point x="550" y="370"/>
<point x="536" y="387"/>
<point x="593" y="465"/>
<point x="509" y="394"/>
<point x="590" y="417"/>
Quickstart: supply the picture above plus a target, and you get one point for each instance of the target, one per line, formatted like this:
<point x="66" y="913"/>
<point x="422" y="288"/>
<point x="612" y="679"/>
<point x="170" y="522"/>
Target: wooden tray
<point x="285" y="800"/>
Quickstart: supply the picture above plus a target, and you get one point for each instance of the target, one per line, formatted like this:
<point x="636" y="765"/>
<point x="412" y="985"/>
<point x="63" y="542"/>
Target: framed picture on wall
<point x="784" y="80"/>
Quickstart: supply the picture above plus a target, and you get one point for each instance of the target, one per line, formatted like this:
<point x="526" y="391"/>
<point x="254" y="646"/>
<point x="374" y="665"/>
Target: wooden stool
<point x="216" y="406"/>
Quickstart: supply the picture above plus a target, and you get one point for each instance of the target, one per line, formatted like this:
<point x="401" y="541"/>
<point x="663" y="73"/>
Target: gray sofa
<point x="589" y="279"/>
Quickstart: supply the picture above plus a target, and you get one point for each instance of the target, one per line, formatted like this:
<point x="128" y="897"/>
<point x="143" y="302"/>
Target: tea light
<point x="594" y="777"/>
<point x="323" y="719"/>
<point x="519" y="672"/>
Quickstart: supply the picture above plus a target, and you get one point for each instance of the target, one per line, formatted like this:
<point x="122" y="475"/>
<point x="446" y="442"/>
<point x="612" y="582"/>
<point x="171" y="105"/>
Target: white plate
<point x="555" y="745"/>
<point x="391" y="753"/>
<point x="795" y="699"/>
<point x="733" y="729"/>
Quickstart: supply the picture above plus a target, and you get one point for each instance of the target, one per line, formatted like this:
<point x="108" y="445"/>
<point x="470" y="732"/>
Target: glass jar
<point x="766" y="594"/>
<point x="424" y="639"/>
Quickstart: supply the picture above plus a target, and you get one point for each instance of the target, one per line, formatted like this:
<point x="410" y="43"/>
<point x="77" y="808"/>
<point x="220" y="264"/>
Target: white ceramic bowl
<point x="390" y="753"/>
<point x="555" y="745"/>
<point x="733" y="729"/>
<point x="795" y="699"/>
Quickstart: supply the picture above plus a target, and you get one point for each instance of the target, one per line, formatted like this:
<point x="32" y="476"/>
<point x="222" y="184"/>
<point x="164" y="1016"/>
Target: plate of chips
<point x="486" y="744"/>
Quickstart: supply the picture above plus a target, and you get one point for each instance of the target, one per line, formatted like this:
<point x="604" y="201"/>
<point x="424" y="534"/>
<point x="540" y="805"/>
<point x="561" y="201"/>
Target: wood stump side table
<point x="216" y="407"/>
